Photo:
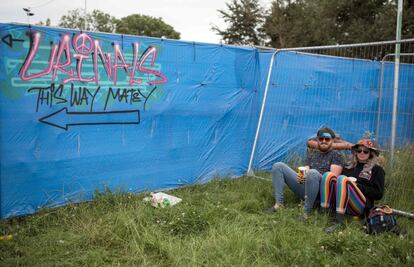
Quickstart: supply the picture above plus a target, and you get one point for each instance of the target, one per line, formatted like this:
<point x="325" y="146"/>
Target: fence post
<point x="396" y="78"/>
<point x="249" y="169"/>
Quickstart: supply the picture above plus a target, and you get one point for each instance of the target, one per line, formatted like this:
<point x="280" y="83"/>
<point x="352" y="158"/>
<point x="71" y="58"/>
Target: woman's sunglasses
<point x="360" y="150"/>
<point x="324" y="139"/>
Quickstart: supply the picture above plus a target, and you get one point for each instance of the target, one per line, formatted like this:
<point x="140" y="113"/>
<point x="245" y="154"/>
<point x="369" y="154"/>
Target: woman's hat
<point x="368" y="143"/>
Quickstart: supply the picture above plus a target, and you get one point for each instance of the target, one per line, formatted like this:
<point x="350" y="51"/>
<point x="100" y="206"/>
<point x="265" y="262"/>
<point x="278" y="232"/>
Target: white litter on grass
<point x="162" y="200"/>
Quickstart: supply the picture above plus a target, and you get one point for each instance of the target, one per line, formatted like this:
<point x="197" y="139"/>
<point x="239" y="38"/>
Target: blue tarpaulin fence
<point x="309" y="91"/>
<point x="84" y="111"/>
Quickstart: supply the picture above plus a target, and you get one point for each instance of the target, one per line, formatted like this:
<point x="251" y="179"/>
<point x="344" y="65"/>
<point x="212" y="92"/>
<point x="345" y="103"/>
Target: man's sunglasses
<point x="324" y="139"/>
<point x="360" y="150"/>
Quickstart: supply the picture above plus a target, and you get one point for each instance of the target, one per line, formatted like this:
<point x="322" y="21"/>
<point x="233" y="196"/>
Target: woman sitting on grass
<point x="350" y="195"/>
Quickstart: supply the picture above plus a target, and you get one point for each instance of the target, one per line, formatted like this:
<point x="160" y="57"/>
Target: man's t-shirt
<point x="322" y="162"/>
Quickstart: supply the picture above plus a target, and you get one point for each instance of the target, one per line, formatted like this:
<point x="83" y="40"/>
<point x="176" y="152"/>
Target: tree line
<point x="298" y="23"/>
<point x="97" y="20"/>
<point x="286" y="23"/>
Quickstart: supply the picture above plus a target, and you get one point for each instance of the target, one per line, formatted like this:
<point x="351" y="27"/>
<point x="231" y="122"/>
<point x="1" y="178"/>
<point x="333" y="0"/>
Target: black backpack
<point x="381" y="219"/>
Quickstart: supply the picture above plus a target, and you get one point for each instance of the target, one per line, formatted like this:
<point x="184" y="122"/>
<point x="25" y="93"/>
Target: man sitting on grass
<point x="306" y="187"/>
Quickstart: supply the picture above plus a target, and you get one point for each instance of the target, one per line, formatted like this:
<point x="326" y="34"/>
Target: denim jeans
<point x="282" y="174"/>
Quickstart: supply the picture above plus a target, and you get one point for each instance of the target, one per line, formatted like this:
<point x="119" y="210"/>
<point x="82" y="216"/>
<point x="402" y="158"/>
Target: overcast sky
<point x="192" y="18"/>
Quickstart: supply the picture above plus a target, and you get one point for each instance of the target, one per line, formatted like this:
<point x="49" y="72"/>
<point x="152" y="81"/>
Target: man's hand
<point x="300" y="178"/>
<point x="302" y="171"/>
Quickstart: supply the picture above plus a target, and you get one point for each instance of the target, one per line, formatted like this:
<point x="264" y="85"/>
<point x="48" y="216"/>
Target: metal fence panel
<point x="347" y="88"/>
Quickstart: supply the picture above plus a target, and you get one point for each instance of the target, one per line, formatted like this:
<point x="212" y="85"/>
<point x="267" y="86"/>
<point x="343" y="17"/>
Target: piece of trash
<point x="6" y="237"/>
<point x="162" y="200"/>
<point x="147" y="199"/>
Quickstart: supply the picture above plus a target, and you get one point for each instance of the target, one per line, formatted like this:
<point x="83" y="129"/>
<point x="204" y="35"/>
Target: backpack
<point x="381" y="219"/>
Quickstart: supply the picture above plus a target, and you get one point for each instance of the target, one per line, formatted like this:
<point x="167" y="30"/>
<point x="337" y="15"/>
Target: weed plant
<point x="217" y="224"/>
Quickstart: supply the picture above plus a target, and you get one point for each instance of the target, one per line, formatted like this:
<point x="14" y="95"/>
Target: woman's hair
<point x="371" y="162"/>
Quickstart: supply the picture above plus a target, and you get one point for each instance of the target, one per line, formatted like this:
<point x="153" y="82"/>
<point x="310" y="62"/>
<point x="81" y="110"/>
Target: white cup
<point x="352" y="179"/>
<point x="302" y="171"/>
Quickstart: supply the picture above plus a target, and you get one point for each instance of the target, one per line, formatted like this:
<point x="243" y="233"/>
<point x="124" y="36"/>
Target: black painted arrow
<point x="63" y="118"/>
<point x="8" y="40"/>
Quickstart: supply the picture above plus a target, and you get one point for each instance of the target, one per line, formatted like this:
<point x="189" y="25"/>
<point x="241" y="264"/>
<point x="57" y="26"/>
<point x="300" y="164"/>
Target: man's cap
<point x="326" y="132"/>
<point x="326" y="135"/>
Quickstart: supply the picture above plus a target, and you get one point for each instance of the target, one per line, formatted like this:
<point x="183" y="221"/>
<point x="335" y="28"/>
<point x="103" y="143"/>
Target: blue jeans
<point x="282" y="174"/>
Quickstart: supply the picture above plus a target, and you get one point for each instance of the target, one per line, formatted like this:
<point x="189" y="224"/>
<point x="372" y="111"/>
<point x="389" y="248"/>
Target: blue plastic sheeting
<point x="82" y="112"/>
<point x="189" y="115"/>
<point x="405" y="106"/>
<point x="307" y="92"/>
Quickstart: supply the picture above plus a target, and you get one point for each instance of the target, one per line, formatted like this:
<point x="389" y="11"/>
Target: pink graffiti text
<point x="85" y="48"/>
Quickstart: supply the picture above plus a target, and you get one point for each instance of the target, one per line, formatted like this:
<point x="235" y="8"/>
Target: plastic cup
<point x="301" y="173"/>
<point x="352" y="179"/>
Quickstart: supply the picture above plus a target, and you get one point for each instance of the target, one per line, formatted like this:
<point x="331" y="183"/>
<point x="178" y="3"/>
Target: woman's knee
<point x="342" y="179"/>
<point x="328" y="176"/>
<point x="278" y="166"/>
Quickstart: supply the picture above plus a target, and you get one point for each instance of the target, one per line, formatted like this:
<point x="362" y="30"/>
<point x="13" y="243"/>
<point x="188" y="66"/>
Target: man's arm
<point x="336" y="169"/>
<point x="337" y="145"/>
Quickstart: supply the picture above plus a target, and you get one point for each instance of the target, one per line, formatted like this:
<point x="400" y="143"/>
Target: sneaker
<point x="273" y="209"/>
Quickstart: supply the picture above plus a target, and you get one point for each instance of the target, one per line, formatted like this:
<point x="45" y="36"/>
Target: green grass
<point x="217" y="224"/>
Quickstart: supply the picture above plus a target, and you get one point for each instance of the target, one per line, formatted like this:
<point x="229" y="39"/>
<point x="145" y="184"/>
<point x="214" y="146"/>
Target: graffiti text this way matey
<point x="82" y="96"/>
